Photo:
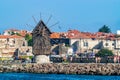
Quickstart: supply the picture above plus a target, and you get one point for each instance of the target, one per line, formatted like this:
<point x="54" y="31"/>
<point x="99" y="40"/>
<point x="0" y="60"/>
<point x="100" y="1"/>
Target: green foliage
<point x="18" y="34"/>
<point x="104" y="52"/>
<point x="8" y="32"/>
<point x="30" y="57"/>
<point x="25" y="57"/>
<point x="105" y="29"/>
<point x="29" y="39"/>
<point x="12" y="33"/>
<point x="66" y="45"/>
<point x="30" y="42"/>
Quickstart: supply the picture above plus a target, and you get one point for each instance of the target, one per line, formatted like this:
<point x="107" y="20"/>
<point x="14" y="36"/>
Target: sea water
<point x="30" y="76"/>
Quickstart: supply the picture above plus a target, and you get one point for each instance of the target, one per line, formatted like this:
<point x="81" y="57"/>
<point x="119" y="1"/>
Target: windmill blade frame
<point x="34" y="19"/>
<point x="49" y="19"/>
<point x="54" y="24"/>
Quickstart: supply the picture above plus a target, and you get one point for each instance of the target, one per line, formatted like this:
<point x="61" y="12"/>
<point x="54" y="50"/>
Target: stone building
<point x="85" y="42"/>
<point x="15" y="31"/>
<point x="12" y="41"/>
<point x="12" y="44"/>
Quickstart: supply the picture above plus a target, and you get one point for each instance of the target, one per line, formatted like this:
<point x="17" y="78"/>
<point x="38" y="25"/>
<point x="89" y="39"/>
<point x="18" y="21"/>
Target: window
<point x="13" y="41"/>
<point x="113" y="44"/>
<point x="93" y="38"/>
<point x="106" y="44"/>
<point x="7" y="39"/>
<point x="23" y="44"/>
<point x="12" y="46"/>
<point x="86" y="44"/>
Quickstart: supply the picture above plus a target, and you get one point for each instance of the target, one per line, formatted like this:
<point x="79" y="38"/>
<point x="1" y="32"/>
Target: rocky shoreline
<point x="64" y="68"/>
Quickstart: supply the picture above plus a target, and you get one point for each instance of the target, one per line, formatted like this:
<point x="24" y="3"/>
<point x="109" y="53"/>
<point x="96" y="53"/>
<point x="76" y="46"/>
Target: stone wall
<point x="64" y="68"/>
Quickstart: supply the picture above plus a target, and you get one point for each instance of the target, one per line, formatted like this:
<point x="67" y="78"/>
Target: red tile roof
<point x="55" y="35"/>
<point x="21" y="32"/>
<point x="10" y="36"/>
<point x="75" y="34"/>
<point x="12" y="29"/>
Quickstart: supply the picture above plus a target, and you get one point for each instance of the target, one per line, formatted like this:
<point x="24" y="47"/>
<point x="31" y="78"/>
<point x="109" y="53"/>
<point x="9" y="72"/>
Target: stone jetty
<point x="65" y="68"/>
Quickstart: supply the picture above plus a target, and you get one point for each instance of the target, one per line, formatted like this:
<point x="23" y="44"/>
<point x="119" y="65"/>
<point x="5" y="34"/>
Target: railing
<point x="69" y="60"/>
<point x="56" y="59"/>
<point x="10" y="61"/>
<point x="82" y="60"/>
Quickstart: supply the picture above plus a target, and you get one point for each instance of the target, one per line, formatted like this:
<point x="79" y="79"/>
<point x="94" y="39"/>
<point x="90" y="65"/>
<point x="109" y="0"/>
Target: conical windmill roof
<point x="40" y="25"/>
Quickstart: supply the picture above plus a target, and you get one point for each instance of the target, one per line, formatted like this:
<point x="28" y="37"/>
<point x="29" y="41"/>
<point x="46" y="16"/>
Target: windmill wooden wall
<point x="41" y="39"/>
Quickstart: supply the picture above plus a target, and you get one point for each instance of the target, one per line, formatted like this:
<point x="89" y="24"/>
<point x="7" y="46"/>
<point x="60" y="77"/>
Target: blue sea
<point x="30" y="76"/>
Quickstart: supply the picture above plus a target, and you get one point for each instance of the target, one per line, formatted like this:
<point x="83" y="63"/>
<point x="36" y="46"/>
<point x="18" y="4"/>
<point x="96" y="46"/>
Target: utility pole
<point x="118" y="48"/>
<point x="118" y="51"/>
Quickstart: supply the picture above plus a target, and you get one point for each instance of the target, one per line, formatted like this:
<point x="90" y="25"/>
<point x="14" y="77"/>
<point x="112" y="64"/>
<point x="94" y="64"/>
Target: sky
<point x="83" y="15"/>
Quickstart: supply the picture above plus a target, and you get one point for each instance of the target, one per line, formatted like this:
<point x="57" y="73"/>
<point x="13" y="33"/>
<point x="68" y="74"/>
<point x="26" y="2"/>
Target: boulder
<point x="42" y="59"/>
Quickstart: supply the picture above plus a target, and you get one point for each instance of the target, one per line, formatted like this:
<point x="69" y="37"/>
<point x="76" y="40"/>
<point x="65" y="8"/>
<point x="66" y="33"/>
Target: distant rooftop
<point x="75" y="34"/>
<point x="9" y="36"/>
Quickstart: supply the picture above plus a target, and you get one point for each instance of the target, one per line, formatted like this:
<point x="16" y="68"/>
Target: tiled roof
<point x="10" y="36"/>
<point x="21" y="32"/>
<point x="75" y="34"/>
<point x="55" y="35"/>
<point x="11" y="30"/>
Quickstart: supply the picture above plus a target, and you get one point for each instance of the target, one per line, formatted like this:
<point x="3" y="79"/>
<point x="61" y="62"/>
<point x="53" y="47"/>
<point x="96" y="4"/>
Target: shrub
<point x="104" y="53"/>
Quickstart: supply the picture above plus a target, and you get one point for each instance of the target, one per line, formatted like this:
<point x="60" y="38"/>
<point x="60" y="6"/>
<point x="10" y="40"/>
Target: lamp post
<point x="118" y="56"/>
<point x="118" y="48"/>
<point x="80" y="45"/>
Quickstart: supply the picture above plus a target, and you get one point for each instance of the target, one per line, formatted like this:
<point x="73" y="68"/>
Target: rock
<point x="42" y="59"/>
<point x="60" y="68"/>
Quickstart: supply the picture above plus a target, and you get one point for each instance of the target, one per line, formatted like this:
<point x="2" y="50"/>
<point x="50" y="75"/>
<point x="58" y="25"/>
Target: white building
<point x="118" y="32"/>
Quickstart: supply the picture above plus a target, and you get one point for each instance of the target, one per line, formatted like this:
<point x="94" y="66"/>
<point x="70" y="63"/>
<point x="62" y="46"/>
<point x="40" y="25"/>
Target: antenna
<point x="59" y="27"/>
<point x="26" y="27"/>
<point x="54" y="24"/>
<point x="34" y="19"/>
<point x="69" y="28"/>
<point x="40" y="16"/>
<point x="29" y="25"/>
<point x="48" y="19"/>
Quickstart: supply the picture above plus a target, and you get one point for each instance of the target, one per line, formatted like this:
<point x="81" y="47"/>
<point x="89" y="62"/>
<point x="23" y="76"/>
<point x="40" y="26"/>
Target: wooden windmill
<point x="41" y="39"/>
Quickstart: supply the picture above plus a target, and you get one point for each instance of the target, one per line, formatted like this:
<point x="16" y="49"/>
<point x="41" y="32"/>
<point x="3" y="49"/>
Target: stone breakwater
<point x="60" y="68"/>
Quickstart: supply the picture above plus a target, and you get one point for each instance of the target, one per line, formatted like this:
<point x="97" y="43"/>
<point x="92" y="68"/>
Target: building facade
<point x="13" y="44"/>
<point x="85" y="42"/>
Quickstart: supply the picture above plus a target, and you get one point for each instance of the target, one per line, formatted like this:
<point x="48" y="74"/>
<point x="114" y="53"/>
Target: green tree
<point x="104" y="53"/>
<point x="30" y="42"/>
<point x="18" y="34"/>
<point x="29" y="39"/>
<point x="105" y="29"/>
<point x="12" y="33"/>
